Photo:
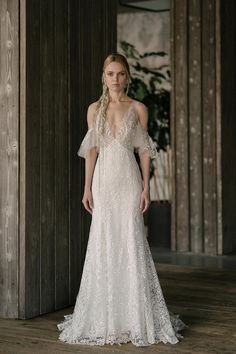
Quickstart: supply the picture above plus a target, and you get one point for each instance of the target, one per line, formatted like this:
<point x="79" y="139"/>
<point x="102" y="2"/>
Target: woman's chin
<point x="115" y="88"/>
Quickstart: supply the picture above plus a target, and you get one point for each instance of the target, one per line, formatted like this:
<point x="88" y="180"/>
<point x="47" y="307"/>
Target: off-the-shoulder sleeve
<point x="90" y="141"/>
<point x="143" y="143"/>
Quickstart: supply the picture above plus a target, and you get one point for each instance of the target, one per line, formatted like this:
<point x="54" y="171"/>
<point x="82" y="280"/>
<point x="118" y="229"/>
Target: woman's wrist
<point x="146" y="187"/>
<point x="87" y="188"/>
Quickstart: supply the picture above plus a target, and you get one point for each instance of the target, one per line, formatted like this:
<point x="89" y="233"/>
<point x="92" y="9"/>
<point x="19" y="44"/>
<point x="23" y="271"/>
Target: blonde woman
<point x="120" y="297"/>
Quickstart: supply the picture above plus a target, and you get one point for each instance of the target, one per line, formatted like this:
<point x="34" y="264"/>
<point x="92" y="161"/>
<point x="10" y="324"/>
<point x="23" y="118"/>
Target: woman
<point x="120" y="298"/>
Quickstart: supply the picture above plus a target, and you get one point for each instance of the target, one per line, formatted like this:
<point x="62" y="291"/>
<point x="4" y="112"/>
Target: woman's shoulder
<point x="91" y="113"/>
<point x="140" y="106"/>
<point x="93" y="106"/>
<point x="141" y="113"/>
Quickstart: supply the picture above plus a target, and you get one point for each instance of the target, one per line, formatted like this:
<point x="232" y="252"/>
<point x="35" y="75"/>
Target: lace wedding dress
<point x="120" y="297"/>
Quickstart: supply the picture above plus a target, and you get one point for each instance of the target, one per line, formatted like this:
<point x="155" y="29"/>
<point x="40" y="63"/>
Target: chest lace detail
<point x="130" y="135"/>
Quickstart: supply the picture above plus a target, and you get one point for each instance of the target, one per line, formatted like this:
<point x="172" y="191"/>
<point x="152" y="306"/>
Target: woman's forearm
<point x="90" y="162"/>
<point x="145" y="167"/>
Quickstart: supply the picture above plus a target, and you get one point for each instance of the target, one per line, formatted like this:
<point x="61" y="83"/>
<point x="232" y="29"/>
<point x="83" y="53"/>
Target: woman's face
<point x="115" y="76"/>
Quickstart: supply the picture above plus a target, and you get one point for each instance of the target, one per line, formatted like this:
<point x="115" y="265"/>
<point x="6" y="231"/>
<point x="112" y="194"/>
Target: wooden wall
<point x="62" y="48"/>
<point x="9" y="156"/>
<point x="228" y="109"/>
<point x="203" y="126"/>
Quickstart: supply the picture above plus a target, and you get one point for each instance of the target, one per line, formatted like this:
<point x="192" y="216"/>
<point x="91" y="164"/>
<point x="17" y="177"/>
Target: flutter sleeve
<point x="143" y="143"/>
<point x="90" y="141"/>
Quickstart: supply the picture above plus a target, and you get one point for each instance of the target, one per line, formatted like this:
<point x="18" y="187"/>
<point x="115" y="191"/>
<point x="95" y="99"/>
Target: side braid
<point x="102" y="108"/>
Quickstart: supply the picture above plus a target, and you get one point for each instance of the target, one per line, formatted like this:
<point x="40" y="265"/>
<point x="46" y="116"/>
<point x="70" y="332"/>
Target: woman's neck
<point x="118" y="97"/>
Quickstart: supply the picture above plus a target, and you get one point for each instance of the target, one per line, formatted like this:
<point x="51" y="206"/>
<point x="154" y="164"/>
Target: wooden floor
<point x="205" y="299"/>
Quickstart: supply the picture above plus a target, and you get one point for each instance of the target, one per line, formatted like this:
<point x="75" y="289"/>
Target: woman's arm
<point x="90" y="162"/>
<point x="144" y="160"/>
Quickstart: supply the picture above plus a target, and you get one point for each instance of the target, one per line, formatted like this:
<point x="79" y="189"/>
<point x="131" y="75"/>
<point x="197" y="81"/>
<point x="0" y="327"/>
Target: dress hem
<point x="67" y="337"/>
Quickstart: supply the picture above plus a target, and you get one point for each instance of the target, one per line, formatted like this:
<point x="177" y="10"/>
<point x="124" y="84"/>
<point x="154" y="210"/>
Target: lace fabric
<point x="131" y="135"/>
<point x="142" y="142"/>
<point x="120" y="298"/>
<point x="90" y="141"/>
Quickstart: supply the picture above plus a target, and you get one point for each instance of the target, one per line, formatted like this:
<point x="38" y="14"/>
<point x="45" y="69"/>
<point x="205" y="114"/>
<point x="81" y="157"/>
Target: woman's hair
<point x="105" y="98"/>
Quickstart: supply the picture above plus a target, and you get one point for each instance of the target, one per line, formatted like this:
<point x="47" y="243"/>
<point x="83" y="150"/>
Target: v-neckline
<point x="121" y="124"/>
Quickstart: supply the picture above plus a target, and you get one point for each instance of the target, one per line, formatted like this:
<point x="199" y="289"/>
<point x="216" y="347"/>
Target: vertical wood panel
<point x="47" y="177"/>
<point x="181" y="126"/>
<point x="9" y="112"/>
<point x="228" y="121"/>
<point x="173" y="129"/>
<point x="75" y="167"/>
<point x="209" y="126"/>
<point x="31" y="272"/>
<point x="195" y="126"/>
<point x="61" y="155"/>
<point x="204" y="141"/>
<point x="22" y="150"/>
<point x="219" y="146"/>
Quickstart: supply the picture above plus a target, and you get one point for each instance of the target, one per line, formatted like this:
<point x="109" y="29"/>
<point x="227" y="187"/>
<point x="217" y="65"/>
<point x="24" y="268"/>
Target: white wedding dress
<point x="120" y="297"/>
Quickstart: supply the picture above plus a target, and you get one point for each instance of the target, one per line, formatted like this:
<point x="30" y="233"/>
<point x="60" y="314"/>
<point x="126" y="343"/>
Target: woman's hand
<point x="144" y="200"/>
<point x="88" y="200"/>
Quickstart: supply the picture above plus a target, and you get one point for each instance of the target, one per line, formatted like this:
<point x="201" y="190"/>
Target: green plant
<point x="147" y="86"/>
